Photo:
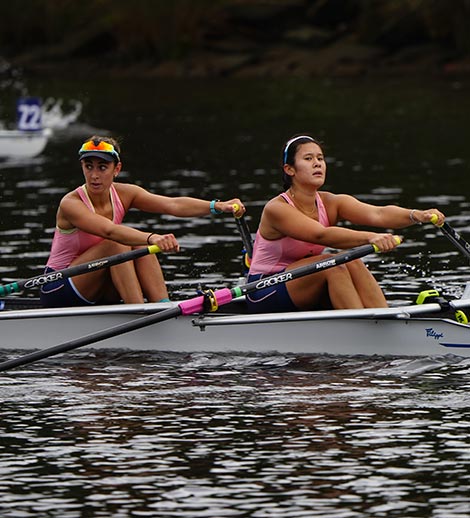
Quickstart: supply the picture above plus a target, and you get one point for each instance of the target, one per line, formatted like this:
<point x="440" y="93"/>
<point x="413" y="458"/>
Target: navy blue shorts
<point x="269" y="300"/>
<point x="61" y="294"/>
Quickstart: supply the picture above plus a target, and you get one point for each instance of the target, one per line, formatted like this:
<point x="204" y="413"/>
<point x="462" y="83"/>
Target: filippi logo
<point x="431" y="333"/>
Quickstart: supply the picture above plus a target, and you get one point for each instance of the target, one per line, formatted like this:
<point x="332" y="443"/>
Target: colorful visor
<point x="100" y="149"/>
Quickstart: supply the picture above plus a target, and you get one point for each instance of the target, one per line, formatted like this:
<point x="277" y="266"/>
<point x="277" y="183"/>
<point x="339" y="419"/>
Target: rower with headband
<point x="297" y="226"/>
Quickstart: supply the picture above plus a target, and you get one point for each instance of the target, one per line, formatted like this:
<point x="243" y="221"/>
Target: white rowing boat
<point x="415" y="330"/>
<point x="22" y="144"/>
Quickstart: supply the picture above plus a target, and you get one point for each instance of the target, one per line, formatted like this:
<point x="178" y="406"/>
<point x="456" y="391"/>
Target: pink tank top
<point x="273" y="255"/>
<point x="69" y="244"/>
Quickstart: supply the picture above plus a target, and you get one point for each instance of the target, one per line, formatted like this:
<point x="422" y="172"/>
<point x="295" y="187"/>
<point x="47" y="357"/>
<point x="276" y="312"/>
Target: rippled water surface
<point x="120" y="434"/>
<point x="100" y="434"/>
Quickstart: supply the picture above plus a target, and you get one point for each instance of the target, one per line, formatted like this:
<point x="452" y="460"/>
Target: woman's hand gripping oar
<point x="195" y="305"/>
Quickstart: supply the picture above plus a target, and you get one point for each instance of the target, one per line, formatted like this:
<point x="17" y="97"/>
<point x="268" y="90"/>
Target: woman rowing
<point x="89" y="226"/>
<point x="298" y="224"/>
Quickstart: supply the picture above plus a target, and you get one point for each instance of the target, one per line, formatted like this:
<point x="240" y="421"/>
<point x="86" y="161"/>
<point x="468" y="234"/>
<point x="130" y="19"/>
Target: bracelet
<point x="413" y="219"/>
<point x="149" y="236"/>
<point x="213" y="209"/>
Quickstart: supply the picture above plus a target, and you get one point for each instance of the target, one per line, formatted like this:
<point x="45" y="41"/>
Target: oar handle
<point x="398" y="240"/>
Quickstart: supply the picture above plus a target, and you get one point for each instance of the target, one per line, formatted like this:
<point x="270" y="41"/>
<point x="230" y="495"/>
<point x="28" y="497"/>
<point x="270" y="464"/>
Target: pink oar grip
<point x="196" y="305"/>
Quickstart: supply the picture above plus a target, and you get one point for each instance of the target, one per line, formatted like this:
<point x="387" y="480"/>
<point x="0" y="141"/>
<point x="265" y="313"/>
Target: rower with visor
<point x="89" y="226"/>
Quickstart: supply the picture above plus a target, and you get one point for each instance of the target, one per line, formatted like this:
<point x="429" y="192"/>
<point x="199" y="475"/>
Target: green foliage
<point x="397" y="23"/>
<point x="140" y="28"/>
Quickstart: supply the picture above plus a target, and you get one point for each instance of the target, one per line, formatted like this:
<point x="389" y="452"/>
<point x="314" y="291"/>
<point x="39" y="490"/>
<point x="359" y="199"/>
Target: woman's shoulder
<point x="127" y="191"/>
<point x="277" y="201"/>
<point x="326" y="196"/>
<point x="128" y="188"/>
<point x="125" y="187"/>
<point x="330" y="197"/>
<point x="70" y="196"/>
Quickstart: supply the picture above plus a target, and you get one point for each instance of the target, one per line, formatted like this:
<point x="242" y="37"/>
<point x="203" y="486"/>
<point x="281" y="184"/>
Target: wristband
<point x="213" y="209"/>
<point x="149" y="236"/>
<point x="413" y="219"/>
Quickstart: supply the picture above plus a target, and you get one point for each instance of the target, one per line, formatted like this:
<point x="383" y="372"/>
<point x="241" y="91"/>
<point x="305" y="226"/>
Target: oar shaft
<point x="456" y="239"/>
<point x="245" y="235"/>
<point x="301" y="271"/>
<point x="226" y="295"/>
<point x="244" y="232"/>
<point x="79" y="269"/>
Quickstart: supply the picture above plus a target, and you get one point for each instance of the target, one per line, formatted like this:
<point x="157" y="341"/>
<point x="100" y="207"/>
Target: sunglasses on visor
<point x="101" y="146"/>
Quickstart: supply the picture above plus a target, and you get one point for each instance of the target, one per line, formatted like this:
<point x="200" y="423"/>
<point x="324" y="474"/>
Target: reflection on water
<point x="117" y="434"/>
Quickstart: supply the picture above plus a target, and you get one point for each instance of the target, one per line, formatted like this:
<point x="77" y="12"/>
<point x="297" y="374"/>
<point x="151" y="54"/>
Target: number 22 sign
<point x="28" y="114"/>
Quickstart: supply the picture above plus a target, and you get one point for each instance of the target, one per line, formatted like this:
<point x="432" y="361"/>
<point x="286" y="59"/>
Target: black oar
<point x="79" y="269"/>
<point x="459" y="242"/>
<point x="454" y="237"/>
<point x="245" y="234"/>
<point x="195" y="305"/>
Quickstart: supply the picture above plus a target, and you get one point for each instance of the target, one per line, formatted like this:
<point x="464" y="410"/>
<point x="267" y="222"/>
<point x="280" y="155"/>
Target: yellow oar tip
<point x="154" y="249"/>
<point x="398" y="241"/>
<point x="434" y="219"/>
<point x="236" y="208"/>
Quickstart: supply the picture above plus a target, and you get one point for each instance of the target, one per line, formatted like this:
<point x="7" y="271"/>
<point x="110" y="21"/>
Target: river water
<point x="122" y="434"/>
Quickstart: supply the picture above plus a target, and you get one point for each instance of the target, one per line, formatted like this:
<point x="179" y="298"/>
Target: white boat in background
<point x="36" y="122"/>
<point x="23" y="144"/>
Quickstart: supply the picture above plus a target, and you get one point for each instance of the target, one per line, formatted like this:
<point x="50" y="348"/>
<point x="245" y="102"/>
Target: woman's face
<point x="309" y="165"/>
<point x="99" y="174"/>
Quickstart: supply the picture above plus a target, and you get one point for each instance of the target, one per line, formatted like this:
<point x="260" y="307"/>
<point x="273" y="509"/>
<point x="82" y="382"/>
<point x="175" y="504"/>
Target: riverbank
<point x="264" y="39"/>
<point x="343" y="58"/>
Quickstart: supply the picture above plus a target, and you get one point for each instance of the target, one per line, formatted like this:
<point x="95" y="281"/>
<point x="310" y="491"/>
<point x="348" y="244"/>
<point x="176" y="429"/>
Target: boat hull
<point x="22" y="144"/>
<point x="300" y="333"/>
